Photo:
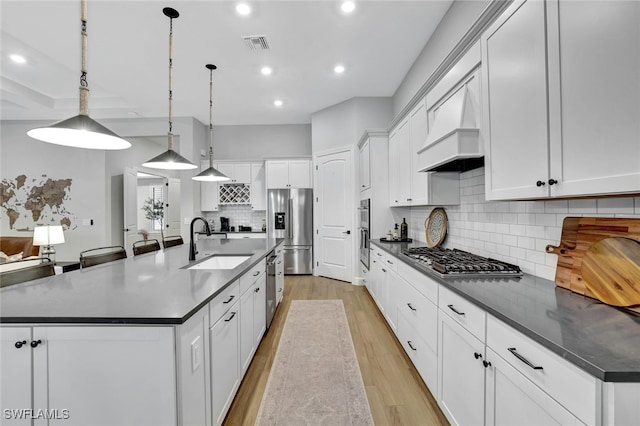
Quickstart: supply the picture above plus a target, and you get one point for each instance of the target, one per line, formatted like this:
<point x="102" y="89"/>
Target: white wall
<point x="455" y="23"/>
<point x="514" y="231"/>
<point x="260" y="141"/>
<point x="21" y="154"/>
<point x="343" y="124"/>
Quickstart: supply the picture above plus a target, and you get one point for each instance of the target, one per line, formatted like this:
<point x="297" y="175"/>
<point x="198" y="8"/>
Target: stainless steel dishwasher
<point x="271" y="287"/>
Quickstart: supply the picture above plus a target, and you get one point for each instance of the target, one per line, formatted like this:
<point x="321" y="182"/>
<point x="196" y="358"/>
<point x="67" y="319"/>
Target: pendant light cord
<point x="211" y="118"/>
<point x="170" y="134"/>
<point x="84" y="85"/>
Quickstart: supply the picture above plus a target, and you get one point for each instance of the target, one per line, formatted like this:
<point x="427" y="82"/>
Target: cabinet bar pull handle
<point x="35" y="343"/>
<point x="233" y="314"/>
<point x="279" y="290"/>
<point x="229" y="299"/>
<point x="20" y="344"/>
<point x="455" y="310"/>
<point x="384" y="270"/>
<point x="257" y="290"/>
<point x="523" y="359"/>
<point x="410" y="345"/>
<point x="389" y="262"/>
<point x="256" y="274"/>
<point x="411" y="307"/>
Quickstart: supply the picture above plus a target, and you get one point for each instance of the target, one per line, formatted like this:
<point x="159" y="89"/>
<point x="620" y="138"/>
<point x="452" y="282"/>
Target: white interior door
<point x="172" y="218"/>
<point x="335" y="215"/>
<point x="130" y="192"/>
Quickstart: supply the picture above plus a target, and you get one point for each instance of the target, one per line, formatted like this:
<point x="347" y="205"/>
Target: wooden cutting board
<point x="611" y="271"/>
<point x="578" y="235"/>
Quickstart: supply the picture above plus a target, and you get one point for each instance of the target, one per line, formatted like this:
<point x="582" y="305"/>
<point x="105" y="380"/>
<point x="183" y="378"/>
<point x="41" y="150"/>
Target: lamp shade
<point x="169" y="160"/>
<point x="48" y="235"/>
<point x="80" y="131"/>
<point x="210" y="175"/>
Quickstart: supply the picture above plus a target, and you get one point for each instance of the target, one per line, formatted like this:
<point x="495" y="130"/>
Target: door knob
<point x="20" y="344"/>
<point x="35" y="343"/>
<point x="552" y="181"/>
<point x="540" y="183"/>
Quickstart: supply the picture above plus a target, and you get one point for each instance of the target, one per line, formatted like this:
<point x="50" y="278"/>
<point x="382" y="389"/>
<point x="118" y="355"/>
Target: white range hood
<point x="454" y="142"/>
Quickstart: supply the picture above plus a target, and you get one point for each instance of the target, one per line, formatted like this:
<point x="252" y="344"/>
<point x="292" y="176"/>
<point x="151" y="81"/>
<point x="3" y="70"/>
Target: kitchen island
<point x="516" y="341"/>
<point x="143" y="340"/>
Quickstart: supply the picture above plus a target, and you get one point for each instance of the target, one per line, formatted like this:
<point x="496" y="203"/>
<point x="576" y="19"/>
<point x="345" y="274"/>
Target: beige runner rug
<point x="315" y="378"/>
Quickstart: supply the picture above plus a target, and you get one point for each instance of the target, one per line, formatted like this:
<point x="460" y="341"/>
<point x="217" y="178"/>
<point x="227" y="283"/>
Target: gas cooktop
<point x="454" y="263"/>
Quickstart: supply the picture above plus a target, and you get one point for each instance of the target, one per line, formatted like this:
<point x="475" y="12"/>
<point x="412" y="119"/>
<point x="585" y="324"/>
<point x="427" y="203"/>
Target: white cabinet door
<point x="513" y="400"/>
<point x="460" y="374"/>
<point x="208" y="191"/>
<point x="258" y="187"/>
<point x="242" y="173"/>
<point x="225" y="360"/>
<point x="400" y="166"/>
<point x="595" y="97"/>
<point x="365" y="167"/>
<point x="72" y="364"/>
<point x="247" y="345"/>
<point x="393" y="289"/>
<point x="514" y="69"/>
<point x="300" y="174"/>
<point x="15" y="370"/>
<point x="277" y="173"/>
<point x="418" y="134"/>
<point x="259" y="308"/>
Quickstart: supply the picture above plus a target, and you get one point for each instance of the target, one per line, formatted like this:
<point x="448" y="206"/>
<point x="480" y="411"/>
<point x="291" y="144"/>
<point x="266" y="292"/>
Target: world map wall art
<point x="30" y="202"/>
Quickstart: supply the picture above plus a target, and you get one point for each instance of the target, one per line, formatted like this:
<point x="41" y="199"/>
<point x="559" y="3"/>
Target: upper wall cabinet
<point x="407" y="186"/>
<point x="364" y="155"/>
<point x="236" y="172"/>
<point x="561" y="100"/>
<point x="258" y="188"/>
<point x="288" y="174"/>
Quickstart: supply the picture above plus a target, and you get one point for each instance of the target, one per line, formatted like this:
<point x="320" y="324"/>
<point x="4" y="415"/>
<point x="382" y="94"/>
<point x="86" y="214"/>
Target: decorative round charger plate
<point x="436" y="227"/>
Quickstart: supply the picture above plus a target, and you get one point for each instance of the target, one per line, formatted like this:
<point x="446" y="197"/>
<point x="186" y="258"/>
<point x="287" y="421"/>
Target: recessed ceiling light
<point x="277" y="102"/>
<point x="243" y="8"/>
<point x="338" y="69"/>
<point x="18" y="59"/>
<point x="348" y="6"/>
<point x="266" y="70"/>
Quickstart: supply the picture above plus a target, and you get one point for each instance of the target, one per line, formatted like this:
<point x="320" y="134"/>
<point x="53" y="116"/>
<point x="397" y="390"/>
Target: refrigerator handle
<point x="290" y="214"/>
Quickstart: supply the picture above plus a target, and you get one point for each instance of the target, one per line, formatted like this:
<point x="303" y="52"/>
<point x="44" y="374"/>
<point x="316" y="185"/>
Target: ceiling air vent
<point x="256" y="42"/>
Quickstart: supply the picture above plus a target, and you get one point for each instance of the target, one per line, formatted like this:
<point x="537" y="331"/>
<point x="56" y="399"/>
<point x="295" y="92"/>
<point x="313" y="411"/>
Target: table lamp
<point x="47" y="236"/>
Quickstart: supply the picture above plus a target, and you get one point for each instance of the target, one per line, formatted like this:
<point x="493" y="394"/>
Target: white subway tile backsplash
<point x="583" y="206"/>
<point x="514" y="231"/>
<point x="615" y="206"/>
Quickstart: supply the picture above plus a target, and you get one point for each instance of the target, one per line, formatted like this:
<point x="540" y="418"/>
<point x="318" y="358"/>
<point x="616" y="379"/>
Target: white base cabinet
<point x="68" y="367"/>
<point x="225" y="362"/>
<point x="279" y="275"/>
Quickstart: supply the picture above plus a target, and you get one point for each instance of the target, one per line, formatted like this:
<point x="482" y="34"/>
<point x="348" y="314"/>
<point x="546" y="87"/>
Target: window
<point x="157" y="194"/>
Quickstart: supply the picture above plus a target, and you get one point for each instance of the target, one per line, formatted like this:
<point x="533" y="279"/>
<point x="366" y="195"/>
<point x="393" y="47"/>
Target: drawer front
<point x="462" y="311"/>
<point x="391" y="262"/>
<point x="222" y="302"/>
<point x="379" y="255"/>
<point x="279" y="249"/>
<point x="250" y="277"/>
<point x="422" y="314"/>
<point x="419" y="281"/>
<point x="573" y="388"/>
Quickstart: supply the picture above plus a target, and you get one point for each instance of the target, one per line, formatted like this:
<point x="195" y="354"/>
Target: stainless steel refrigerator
<point x="290" y="216"/>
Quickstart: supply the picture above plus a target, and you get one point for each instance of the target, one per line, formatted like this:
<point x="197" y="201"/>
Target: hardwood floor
<point x="397" y="395"/>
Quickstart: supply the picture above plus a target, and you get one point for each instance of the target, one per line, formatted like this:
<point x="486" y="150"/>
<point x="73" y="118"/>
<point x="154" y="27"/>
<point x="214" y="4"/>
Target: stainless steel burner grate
<point x="457" y="263"/>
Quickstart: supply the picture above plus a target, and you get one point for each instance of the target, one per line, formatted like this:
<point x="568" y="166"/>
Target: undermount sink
<point x="221" y="261"/>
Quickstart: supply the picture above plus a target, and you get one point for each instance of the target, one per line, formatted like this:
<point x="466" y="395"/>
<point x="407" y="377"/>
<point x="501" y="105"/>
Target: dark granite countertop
<point x="602" y="340"/>
<point x="152" y="288"/>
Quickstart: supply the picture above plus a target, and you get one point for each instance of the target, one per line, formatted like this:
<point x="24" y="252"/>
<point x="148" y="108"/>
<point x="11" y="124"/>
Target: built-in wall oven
<point x="365" y="219"/>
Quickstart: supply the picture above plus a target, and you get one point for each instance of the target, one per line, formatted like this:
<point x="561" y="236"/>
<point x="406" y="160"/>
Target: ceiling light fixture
<point x="80" y="131"/>
<point x="277" y="102"/>
<point x="243" y="9"/>
<point x="170" y="160"/>
<point x="348" y="6"/>
<point x="338" y="69"/>
<point x="210" y="174"/>
<point x="18" y="59"/>
<point x="266" y="70"/>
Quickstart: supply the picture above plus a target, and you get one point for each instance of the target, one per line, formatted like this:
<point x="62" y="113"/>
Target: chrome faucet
<point x="192" y="242"/>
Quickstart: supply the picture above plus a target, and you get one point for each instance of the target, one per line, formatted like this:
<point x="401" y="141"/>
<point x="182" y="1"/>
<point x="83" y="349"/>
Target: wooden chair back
<point x="172" y="240"/>
<point x="145" y="246"/>
<point x="25" y="270"/>
<point x="99" y="255"/>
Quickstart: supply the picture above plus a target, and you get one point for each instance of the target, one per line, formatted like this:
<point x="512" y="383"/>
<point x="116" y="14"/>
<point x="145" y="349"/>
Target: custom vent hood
<point x="454" y="143"/>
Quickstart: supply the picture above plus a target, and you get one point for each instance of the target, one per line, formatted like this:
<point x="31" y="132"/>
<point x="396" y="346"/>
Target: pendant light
<point x="170" y="160"/>
<point x="81" y="131"/>
<point x="210" y="174"/>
